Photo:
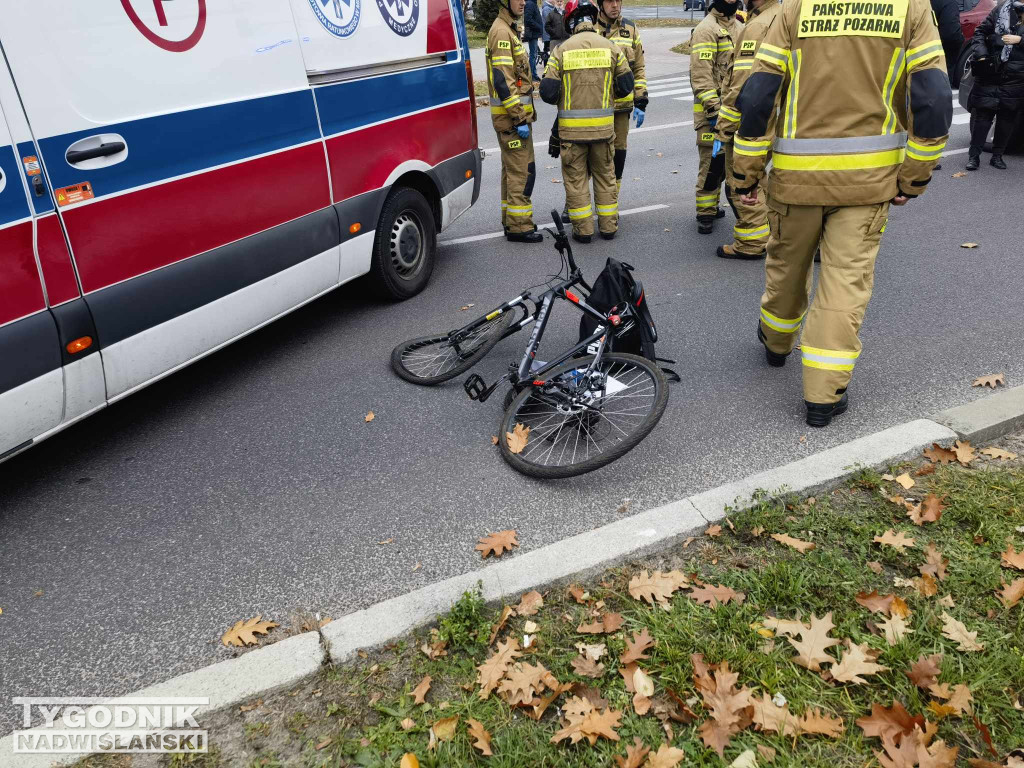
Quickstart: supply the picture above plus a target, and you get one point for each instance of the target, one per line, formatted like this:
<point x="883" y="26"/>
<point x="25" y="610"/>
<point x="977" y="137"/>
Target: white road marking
<point x="683" y="98"/>
<point x="663" y="80"/>
<point x="962" y="118"/>
<point x="493" y="235"/>
<point x="672" y="92"/>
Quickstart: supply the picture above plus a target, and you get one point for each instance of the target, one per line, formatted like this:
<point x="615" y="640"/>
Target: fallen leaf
<point x="506" y="613"/>
<point x="746" y="759"/>
<point x="497" y="543"/>
<point x="659" y="154"/>
<point x="858" y="660"/>
<point x="523" y="682"/>
<point x="925" y="670"/>
<point x="895" y="629"/>
<point x="627" y="676"/>
<point x="578" y="594"/>
<point x="712" y="595"/>
<point x="594" y="652"/>
<point x="689" y="541"/>
<point x="785" y="626"/>
<point x="1011" y="593"/>
<point x="643" y="684"/>
<point x="875" y="602"/>
<point x="408" y="724"/>
<point x="556" y="181"/>
<point x="813" y="641"/>
<point x="814" y="721"/>
<point x="325" y="743"/>
<point x="609" y="623"/>
<point x="899" y="608"/>
<point x="1011" y="558"/>
<point x="947" y="602"/>
<point x="444" y="729"/>
<point x="954" y="630"/>
<point x="417" y="566"/>
<point x="959" y="699"/>
<point x="244" y="632"/>
<point x="897" y="541"/>
<point x="925" y="469"/>
<point x="964" y="452"/>
<point x="420" y="691"/>
<point x="892" y="722"/>
<point x="801" y="546"/>
<point x="940" y="455"/>
<point x="637" y="647"/>
<point x="906" y="481"/>
<point x="968" y="245"/>
<point x="768" y="753"/>
<point x="481" y="738"/>
<point x="530" y="603"/>
<point x="409" y="761"/>
<point x="986" y="736"/>
<point x="999" y="453"/>
<point x="874" y="565"/>
<point x="727" y="705"/>
<point x="929" y="511"/>
<point x="635" y="754"/>
<point x="926" y="585"/>
<point x="666" y="756"/>
<point x="959" y="175"/>
<point x="516" y="439"/>
<point x="491" y="672"/>
<point x="587" y="667"/>
<point x="991" y="381"/>
<point x="757" y="530"/>
<point x="369" y="417"/>
<point x="494" y="439"/>
<point x="714" y="531"/>
<point x="656" y="587"/>
<point x="935" y="563"/>
<point x="769" y="717"/>
<point x="583" y="721"/>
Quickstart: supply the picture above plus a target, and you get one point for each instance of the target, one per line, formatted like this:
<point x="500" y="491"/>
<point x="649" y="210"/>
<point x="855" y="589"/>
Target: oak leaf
<point x="627" y="673"/>
<point x="924" y="470"/>
<point x="643" y="684"/>
<point x="954" y="630"/>
<point x="610" y="622"/>
<point x="408" y="724"/>
<point x="530" y="603"/>
<point x="925" y="670"/>
<point x="593" y="652"/>
<point x="894" y="721"/>
<point x="1011" y="558"/>
<point x="874" y="565"/>
<point x="1011" y="593"/>
<point x="927" y="586"/>
<point x="517" y="438"/>
<point x="875" y="602"/>
<point x="727" y="705"/>
<point x="714" y="531"/>
<point x="665" y="757"/>
<point x="906" y="481"/>
<point x="935" y="563"/>
<point x="858" y="660"/>
<point x="814" y="721"/>
<point x="522" y="682"/>
<point x="712" y="595"/>
<point x="785" y="626"/>
<point x="964" y="452"/>
<point x="497" y="543"/>
<point x="244" y="632"/>
<point x="583" y="721"/>
<point x="444" y="729"/>
<point x="491" y="672"/>
<point x="635" y="754"/>
<point x="587" y="667"/>
<point x="992" y="380"/>
<point x="999" y="453"/>
<point x="656" y="587"/>
<point x="369" y="417"/>
<point x="899" y="608"/>
<point x="506" y="613"/>
<point x="803" y="547"/>
<point x="420" y="691"/>
<point x="481" y="738"/>
<point x="409" y="760"/>
<point x="746" y="759"/>
<point x="897" y="541"/>
<point x="578" y="593"/>
<point x="940" y="455"/>
<point x="768" y="753"/>
<point x="895" y="629"/>
<point x="928" y="511"/>
<point x="635" y="648"/>
<point x="813" y="641"/>
<point x="769" y="717"/>
<point x="940" y="710"/>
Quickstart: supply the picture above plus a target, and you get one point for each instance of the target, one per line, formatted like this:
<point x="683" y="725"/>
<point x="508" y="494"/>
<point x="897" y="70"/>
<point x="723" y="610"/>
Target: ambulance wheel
<point x="405" y="246"/>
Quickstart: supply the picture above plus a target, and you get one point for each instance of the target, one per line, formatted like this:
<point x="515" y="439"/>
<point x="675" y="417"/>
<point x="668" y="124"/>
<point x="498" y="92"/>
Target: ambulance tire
<point x="405" y="246"/>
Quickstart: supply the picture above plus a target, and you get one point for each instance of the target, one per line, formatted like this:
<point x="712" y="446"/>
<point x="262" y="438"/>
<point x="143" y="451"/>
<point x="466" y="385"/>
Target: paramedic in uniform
<point x="750" y="234"/>
<point x="511" y="91"/>
<point x="585" y="75"/>
<point x="865" y="113"/>
<point x="624" y="33"/>
<point x="711" y="46"/>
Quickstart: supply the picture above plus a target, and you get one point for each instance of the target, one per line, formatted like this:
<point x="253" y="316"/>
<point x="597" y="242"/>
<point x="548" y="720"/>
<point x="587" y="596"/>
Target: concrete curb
<point x="987" y="418"/>
<point x="226" y="684"/>
<point x="265" y="670"/>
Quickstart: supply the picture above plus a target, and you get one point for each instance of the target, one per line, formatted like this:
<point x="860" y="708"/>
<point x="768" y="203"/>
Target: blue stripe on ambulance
<point x="12" y="199"/>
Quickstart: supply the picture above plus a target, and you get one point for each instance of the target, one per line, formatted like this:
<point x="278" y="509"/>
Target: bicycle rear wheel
<point x="573" y="432"/>
<point x="431" y="360"/>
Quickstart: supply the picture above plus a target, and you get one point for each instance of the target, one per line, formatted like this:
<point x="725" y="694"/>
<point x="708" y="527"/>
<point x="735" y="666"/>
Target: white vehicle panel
<point x="31" y="409"/>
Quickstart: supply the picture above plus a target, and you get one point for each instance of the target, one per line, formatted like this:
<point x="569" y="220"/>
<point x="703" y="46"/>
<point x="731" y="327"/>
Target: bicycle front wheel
<point x="433" y="359"/>
<point x="572" y="431"/>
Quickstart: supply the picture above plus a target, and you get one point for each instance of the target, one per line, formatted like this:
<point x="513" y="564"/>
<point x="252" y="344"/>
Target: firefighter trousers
<point x="750" y="234"/>
<point x="518" y="174"/>
<point x="621" y="135"/>
<point x="849" y="238"/>
<point x="580" y="163"/>
<point x="707" y="200"/>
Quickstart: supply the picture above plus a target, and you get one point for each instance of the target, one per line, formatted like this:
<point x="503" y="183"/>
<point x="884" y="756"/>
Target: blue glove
<point x="523" y="131"/>
<point x="712" y="121"/>
<point x="638" y="116"/>
<point x="716" y="148"/>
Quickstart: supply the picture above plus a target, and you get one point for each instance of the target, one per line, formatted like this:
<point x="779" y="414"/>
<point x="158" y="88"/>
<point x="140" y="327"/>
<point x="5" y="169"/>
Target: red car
<point x="972" y="13"/>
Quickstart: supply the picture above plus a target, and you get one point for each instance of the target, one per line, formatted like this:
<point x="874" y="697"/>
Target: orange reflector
<point x="353" y="228"/>
<point x="572" y="297"/>
<point x="78" y="345"/>
<point x="469" y="174"/>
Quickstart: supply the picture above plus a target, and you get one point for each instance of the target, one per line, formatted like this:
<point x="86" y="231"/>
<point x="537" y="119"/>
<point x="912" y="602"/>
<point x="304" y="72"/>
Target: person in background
<point x="533" y="30"/>
<point x="998" y="92"/>
<point x="545" y="10"/>
<point x="554" y="25"/>
<point x="947" y="16"/>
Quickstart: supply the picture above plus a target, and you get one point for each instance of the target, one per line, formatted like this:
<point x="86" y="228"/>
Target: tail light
<point x="472" y="100"/>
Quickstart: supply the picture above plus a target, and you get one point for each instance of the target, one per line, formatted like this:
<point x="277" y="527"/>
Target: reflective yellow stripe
<point x="793" y="95"/>
<point x="923" y="53"/>
<point x="773" y="55"/>
<point x="704" y="198"/>
<point x="606" y="96"/>
<point x="925" y="153"/>
<point x="741" y="65"/>
<point x="889" y="87"/>
<point x="528" y="108"/>
<point x="584" y="122"/>
<point x="750" y="148"/>
<point x="838" y="162"/>
<point x="780" y="324"/>
<point x="751" y="233"/>
<point x="502" y="61"/>
<point x="698" y="107"/>
<point x="702" y="46"/>
<point x="608" y="210"/>
<point x="829" y="359"/>
<point x="705" y="95"/>
<point x="520" y="211"/>
<point x="729" y="113"/>
<point x="581" y="213"/>
<point x="639" y="83"/>
<point x="625" y="99"/>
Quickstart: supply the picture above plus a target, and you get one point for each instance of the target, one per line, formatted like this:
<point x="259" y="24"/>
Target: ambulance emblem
<point x="401" y="15"/>
<point x="339" y="17"/>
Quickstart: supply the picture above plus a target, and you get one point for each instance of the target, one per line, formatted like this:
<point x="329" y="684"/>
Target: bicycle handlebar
<point x="563" y="241"/>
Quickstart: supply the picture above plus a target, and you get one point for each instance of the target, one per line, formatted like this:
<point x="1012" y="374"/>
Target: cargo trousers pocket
<point x="877" y="223"/>
<point x="776" y="212"/>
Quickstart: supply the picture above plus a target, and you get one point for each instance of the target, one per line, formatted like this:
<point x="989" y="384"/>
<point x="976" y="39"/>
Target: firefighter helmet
<point x="577" y="10"/>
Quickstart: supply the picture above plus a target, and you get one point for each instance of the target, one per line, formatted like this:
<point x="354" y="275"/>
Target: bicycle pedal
<point x="475" y="387"/>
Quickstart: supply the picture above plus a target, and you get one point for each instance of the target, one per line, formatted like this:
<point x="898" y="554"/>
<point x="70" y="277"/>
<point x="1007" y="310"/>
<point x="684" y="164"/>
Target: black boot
<point x="973" y="161"/>
<point x="775" y="360"/>
<point x="997" y="162"/>
<point x="705" y="224"/>
<point x="820" y="414"/>
<point x="720" y="214"/>
<point x="524" y="237"/>
<point x="608" y="235"/>
<point x="565" y="215"/>
<point x="582" y="238"/>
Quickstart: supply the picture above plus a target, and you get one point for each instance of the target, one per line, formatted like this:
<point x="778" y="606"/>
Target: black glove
<point x="554" y="146"/>
<point x="640" y="104"/>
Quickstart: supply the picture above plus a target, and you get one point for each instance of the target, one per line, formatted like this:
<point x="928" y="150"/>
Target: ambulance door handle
<point x="103" y="150"/>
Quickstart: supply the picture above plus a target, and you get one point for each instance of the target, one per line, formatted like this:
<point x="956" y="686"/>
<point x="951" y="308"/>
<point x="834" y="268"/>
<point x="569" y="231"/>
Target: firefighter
<point x="840" y="157"/>
<point x="624" y="33"/>
<point x="585" y="75"/>
<point x="750" y="234"/>
<point x="711" y="45"/>
<point x="511" y="90"/>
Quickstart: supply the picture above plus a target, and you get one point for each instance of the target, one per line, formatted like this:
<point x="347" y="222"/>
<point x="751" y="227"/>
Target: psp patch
<point x="345" y="14"/>
<point x="706" y="55"/>
<point x="401" y="15"/>
<point x="707" y="137"/>
<point x="515" y="144"/>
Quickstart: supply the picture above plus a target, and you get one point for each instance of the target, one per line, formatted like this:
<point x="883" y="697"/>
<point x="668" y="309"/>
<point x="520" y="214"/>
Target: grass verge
<point x="364" y="714"/>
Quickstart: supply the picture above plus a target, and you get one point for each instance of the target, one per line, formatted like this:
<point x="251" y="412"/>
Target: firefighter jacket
<point x="711" y="47"/>
<point x="585" y="75"/>
<point x="624" y="33"/>
<point x="863" y="98"/>
<point x="757" y="26"/>
<point x="508" y="74"/>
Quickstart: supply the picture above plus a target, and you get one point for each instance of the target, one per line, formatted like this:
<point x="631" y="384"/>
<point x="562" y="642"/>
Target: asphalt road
<point x="250" y="483"/>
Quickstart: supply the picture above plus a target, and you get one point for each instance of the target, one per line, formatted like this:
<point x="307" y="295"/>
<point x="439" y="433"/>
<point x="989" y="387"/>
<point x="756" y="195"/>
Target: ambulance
<point x="175" y="174"/>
